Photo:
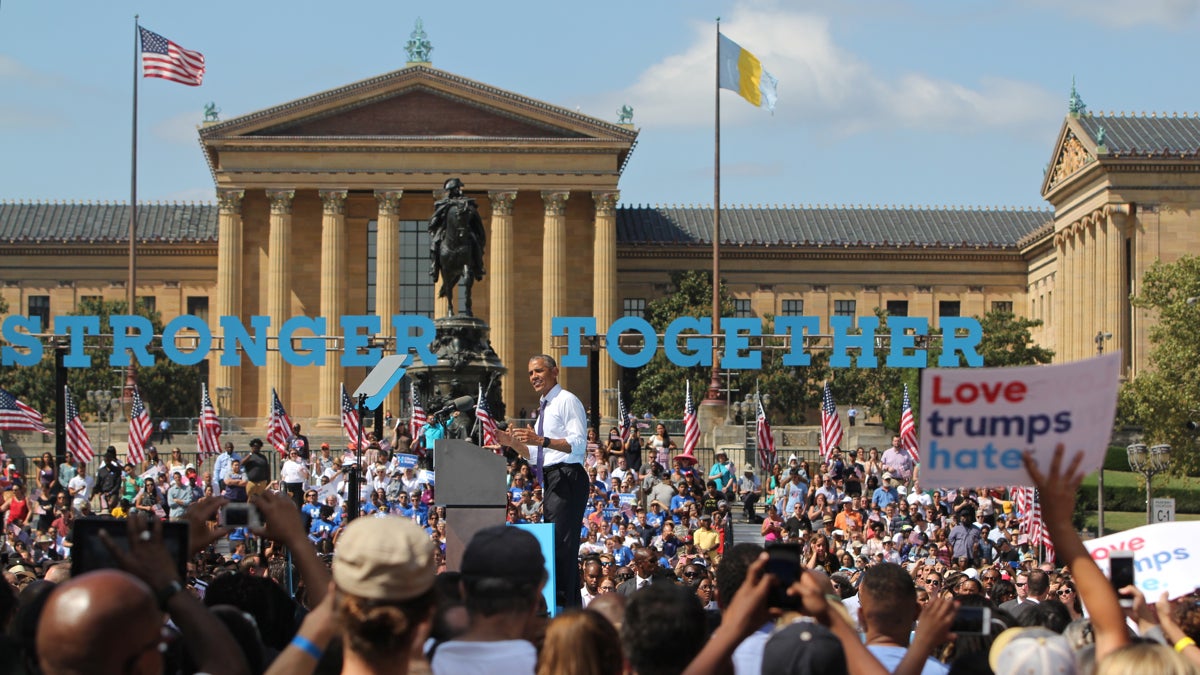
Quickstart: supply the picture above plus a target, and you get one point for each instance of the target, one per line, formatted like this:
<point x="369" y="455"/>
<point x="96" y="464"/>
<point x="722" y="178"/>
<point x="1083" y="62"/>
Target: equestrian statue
<point x="456" y="240"/>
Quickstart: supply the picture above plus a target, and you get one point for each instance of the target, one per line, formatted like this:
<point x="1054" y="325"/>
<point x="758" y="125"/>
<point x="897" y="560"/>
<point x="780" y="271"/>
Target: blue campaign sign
<point x="544" y="532"/>
<point x="406" y="461"/>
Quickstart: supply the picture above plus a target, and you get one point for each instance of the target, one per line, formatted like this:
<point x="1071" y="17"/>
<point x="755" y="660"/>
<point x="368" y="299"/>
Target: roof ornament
<point x="211" y="112"/>
<point x="1075" y="104"/>
<point x="418" y="45"/>
<point x="625" y="114"/>
<point x="1100" y="136"/>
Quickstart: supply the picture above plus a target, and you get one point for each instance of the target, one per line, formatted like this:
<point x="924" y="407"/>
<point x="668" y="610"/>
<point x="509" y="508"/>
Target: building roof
<point x="849" y="226"/>
<point x="22" y="223"/>
<point x="665" y="225"/>
<point x="1154" y="135"/>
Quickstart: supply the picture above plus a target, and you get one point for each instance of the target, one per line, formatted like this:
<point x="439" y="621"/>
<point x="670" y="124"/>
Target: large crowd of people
<point x="663" y="586"/>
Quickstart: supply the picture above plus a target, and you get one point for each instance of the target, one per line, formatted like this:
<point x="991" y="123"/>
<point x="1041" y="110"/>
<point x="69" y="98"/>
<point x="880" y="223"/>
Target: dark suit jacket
<point x="628" y="588"/>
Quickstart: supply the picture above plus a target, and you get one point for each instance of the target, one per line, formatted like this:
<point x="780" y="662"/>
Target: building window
<point x="793" y="308"/>
<point x="149" y="302"/>
<point x="742" y="308"/>
<point x="39" y="305"/>
<point x="634" y="307"/>
<point x="197" y="306"/>
<point x="897" y="307"/>
<point x="949" y="308"/>
<point x="1002" y="306"/>
<point x="845" y="308"/>
<point x="416" y="290"/>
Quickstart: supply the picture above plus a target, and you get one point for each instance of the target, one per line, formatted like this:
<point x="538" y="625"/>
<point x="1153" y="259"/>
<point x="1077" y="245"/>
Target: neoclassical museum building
<point x="321" y="206"/>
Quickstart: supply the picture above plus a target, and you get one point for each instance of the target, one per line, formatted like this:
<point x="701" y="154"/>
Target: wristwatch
<point x="545" y="441"/>
<point x="164" y="594"/>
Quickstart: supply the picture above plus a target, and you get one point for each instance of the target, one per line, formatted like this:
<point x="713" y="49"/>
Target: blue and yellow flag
<point x="742" y="72"/>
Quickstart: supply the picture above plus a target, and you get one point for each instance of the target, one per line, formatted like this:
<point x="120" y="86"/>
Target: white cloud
<point x="824" y="86"/>
<point x="179" y="128"/>
<point x="1176" y="14"/>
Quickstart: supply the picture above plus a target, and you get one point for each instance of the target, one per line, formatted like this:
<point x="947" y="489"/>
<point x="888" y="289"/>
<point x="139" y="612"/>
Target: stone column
<point x="387" y="273"/>
<point x="333" y="303"/>
<point x="279" y="290"/>
<point x="1072" y="322"/>
<point x="1058" y="320"/>
<point x="604" y="289"/>
<point x="1087" y="277"/>
<point x="1116" y="289"/>
<point x="1079" y="280"/>
<point x="501" y="315"/>
<point x="554" y="267"/>
<point x="229" y="288"/>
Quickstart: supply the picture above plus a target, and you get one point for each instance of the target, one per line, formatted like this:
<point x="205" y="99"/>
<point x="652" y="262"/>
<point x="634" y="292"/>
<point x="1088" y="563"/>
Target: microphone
<point x="461" y="404"/>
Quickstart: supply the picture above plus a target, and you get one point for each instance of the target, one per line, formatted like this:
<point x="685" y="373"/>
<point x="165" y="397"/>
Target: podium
<point x="471" y="485"/>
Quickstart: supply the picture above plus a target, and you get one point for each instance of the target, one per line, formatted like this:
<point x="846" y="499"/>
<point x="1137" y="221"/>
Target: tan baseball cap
<point x="384" y="559"/>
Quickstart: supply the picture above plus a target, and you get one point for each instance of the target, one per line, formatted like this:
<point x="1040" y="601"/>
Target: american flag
<point x="1033" y="525"/>
<point x="766" y="442"/>
<point x="78" y="443"/>
<point x="165" y="59"/>
<point x="418" y="419"/>
<point x="623" y="425"/>
<point x="351" y="424"/>
<point x="15" y="415"/>
<point x="908" y="428"/>
<point x="208" y="438"/>
<point x="691" y="427"/>
<point x="487" y="425"/>
<point x="140" y="429"/>
<point x="831" y="426"/>
<point x="279" y="425"/>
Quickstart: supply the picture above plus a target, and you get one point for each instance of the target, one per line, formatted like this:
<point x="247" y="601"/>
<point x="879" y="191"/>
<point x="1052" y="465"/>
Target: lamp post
<point x="1149" y="462"/>
<point x="748" y="409"/>
<point x="108" y="407"/>
<point x="1101" y="336"/>
<point x="224" y="400"/>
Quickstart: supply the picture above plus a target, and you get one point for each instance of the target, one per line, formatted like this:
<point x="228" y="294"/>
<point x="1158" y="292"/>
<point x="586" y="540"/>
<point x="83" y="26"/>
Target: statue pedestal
<point x="465" y="359"/>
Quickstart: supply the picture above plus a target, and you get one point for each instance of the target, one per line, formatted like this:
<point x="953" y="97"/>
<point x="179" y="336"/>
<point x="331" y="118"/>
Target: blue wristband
<point x="308" y="647"/>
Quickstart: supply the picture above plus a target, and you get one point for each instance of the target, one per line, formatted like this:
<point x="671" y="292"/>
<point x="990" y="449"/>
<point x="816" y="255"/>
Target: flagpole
<point x="714" y="384"/>
<point x="131" y="291"/>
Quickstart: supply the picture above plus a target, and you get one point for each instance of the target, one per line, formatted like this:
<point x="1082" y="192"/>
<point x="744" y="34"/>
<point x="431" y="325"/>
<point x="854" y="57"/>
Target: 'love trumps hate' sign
<point x="304" y="340"/>
<point x="975" y="424"/>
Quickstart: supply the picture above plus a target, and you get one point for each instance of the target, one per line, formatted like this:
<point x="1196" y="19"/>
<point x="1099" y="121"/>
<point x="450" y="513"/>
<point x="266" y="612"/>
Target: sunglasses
<point x="933" y="580"/>
<point x="625" y="577"/>
<point x="606" y="564"/>
<point x="1020" y="583"/>
<point x="691" y="575"/>
<point x="1065" y="591"/>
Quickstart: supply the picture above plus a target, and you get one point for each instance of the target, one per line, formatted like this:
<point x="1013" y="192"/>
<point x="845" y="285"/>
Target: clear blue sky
<point x="919" y="102"/>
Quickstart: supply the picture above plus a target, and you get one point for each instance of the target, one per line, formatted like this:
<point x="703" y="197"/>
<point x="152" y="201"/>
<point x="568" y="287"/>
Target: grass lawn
<point x="1119" y="521"/>
<point x="1130" y="479"/>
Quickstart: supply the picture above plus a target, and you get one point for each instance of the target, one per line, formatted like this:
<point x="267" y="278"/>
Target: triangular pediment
<point x="419" y="111"/>
<point x="1074" y="152"/>
<point x="418" y="102"/>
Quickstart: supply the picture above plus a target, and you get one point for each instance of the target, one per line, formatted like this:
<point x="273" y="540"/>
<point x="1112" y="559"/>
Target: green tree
<point x="1007" y="341"/>
<point x="660" y="384"/>
<point x="169" y="389"/>
<point x="1166" y="397"/>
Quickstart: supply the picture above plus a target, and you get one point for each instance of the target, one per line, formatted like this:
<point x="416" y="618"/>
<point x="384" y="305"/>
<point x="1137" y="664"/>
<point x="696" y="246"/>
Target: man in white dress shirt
<point x="556" y="449"/>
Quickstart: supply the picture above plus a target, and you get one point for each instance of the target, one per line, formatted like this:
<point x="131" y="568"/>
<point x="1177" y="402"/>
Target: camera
<point x="1120" y="574"/>
<point x="783" y="561"/>
<point x="972" y="621"/>
<point x="241" y="514"/>
<point x="89" y="553"/>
